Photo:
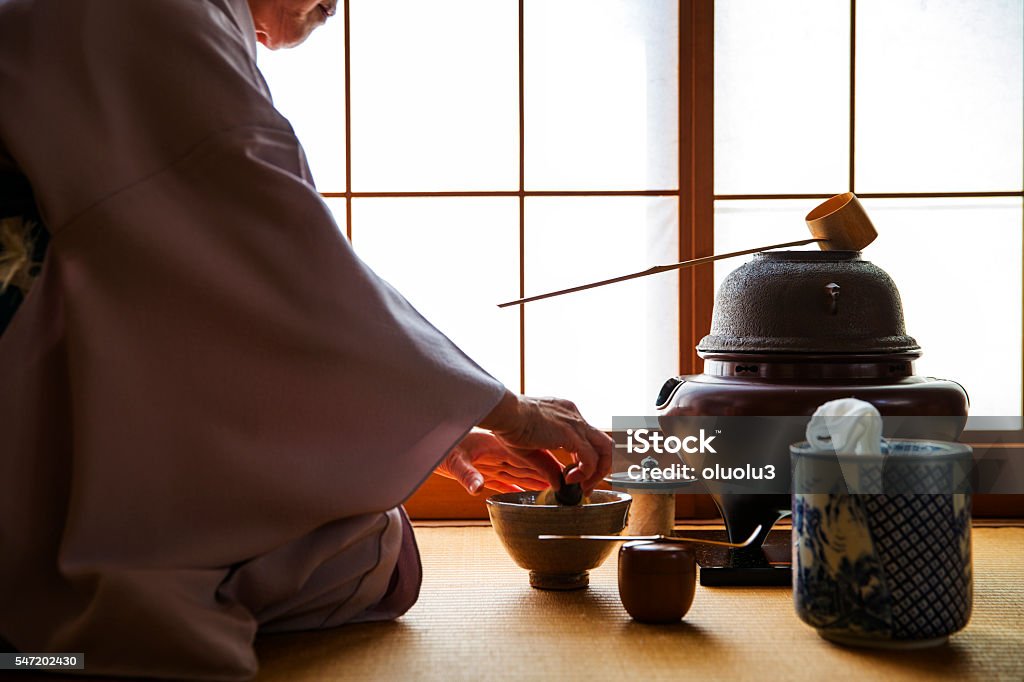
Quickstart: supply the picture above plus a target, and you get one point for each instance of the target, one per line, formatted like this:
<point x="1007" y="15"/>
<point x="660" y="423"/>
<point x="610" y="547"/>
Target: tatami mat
<point x="478" y="619"/>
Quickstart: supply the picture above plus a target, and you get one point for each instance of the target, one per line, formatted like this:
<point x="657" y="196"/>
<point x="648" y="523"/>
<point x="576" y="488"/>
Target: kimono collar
<point x="241" y="15"/>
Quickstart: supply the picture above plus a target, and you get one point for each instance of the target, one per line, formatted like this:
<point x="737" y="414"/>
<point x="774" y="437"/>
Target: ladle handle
<point x="660" y="268"/>
<point x="655" y="538"/>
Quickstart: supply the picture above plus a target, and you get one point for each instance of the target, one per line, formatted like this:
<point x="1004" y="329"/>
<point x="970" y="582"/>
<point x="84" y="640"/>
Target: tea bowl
<point x="557" y="564"/>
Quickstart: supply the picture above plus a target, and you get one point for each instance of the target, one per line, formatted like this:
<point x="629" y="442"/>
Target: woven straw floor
<point x="478" y="619"/>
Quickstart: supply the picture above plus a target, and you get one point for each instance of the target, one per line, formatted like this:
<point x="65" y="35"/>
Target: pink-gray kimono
<point x="210" y="409"/>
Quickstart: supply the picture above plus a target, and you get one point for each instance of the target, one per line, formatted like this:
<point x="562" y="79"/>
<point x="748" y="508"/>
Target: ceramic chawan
<point x="557" y="564"/>
<point x="882" y="544"/>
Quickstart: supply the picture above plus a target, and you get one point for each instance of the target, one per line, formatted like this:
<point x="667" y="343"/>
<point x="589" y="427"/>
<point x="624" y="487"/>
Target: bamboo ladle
<point x="838" y="224"/>
<point x="656" y="538"/>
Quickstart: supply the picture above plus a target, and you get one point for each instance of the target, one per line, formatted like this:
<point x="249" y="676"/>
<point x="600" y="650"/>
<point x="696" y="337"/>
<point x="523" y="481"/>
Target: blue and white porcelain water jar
<point x="882" y="543"/>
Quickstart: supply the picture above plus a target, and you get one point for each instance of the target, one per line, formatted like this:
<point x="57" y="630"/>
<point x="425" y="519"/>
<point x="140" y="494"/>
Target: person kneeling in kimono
<point x="212" y="410"/>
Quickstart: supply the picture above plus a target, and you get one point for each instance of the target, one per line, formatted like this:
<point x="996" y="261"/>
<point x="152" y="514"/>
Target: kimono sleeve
<point x="230" y="355"/>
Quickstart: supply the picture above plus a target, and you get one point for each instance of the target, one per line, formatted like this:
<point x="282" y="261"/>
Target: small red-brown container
<point x="657" y="580"/>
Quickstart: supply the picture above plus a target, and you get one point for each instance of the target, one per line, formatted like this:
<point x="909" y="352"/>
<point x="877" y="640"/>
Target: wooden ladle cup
<point x="842" y="223"/>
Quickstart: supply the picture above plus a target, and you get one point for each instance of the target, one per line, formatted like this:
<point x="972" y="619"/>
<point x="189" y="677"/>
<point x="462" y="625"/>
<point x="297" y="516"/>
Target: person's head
<point x="286" y="23"/>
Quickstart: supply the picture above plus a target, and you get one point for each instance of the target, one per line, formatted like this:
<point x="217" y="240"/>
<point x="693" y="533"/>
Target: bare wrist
<point x="505" y="416"/>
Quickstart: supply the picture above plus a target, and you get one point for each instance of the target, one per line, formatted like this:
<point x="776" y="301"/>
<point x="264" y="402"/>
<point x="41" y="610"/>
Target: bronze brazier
<point x="792" y="330"/>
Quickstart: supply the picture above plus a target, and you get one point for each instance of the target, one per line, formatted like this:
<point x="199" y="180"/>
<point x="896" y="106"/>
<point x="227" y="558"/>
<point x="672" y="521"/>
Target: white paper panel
<point x="782" y="96"/>
<point x="940" y="101"/>
<point x="601" y="94"/>
<point x="741" y="225"/>
<point x="308" y="87"/>
<point x="454" y="259"/>
<point x="435" y="103"/>
<point x="608" y="349"/>
<point x="957" y="264"/>
<point x="337" y="207"/>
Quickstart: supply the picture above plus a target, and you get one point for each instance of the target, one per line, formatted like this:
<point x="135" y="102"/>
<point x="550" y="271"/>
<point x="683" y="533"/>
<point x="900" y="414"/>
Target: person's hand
<point x="481" y="461"/>
<point x="526" y="425"/>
